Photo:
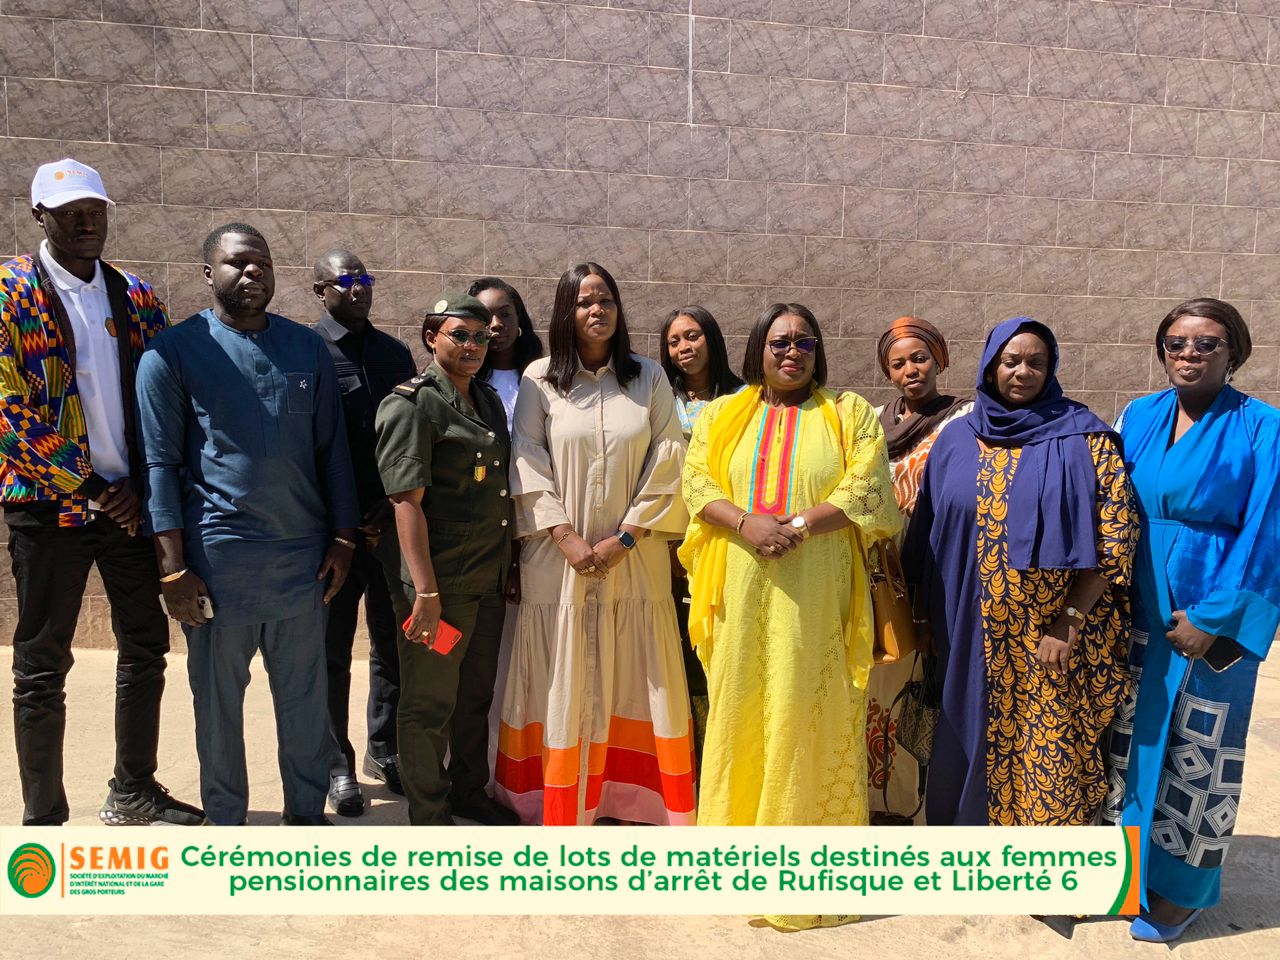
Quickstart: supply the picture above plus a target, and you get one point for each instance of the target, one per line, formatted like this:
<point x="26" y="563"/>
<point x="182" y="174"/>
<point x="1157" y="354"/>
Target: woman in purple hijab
<point x="1021" y="548"/>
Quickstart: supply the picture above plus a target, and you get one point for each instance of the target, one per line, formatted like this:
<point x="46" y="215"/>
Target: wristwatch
<point x="801" y="524"/>
<point x="626" y="539"/>
<point x="1075" y="615"/>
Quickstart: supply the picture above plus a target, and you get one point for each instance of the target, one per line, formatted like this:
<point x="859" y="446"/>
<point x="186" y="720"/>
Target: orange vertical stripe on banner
<point x="1133" y="898"/>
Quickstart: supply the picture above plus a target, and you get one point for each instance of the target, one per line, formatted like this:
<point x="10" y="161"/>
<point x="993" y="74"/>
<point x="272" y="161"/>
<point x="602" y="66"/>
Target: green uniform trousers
<point x="444" y="705"/>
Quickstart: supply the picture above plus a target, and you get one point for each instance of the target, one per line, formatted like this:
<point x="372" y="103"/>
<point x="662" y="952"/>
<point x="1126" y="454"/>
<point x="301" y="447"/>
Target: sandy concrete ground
<point x="1245" y="926"/>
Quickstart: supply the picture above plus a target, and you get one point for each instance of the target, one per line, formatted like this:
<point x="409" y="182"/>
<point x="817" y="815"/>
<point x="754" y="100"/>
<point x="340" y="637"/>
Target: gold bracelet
<point x="741" y="520"/>
<point x="349" y="544"/>
<point x="174" y="576"/>
<point x="428" y="596"/>
<point x="567" y="534"/>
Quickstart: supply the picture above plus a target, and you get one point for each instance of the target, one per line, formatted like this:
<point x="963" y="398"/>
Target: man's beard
<point x="233" y="301"/>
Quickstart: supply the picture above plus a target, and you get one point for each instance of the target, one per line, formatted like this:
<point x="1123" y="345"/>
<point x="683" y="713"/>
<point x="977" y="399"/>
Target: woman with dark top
<point x="1021" y="548"/>
<point x="912" y="352"/>
<point x="514" y="344"/>
<point x="696" y="361"/>
<point x="1205" y="462"/>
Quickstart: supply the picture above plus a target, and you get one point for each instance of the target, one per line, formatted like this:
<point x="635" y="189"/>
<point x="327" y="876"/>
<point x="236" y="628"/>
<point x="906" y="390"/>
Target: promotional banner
<point x="570" y="870"/>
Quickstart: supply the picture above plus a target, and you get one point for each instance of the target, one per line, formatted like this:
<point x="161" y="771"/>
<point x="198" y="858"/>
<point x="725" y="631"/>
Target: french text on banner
<point x="571" y="870"/>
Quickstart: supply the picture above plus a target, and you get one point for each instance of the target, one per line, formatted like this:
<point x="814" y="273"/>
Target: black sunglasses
<point x="462" y="337"/>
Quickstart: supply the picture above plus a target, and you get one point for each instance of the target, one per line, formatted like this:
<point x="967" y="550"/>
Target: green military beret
<point x="460" y="305"/>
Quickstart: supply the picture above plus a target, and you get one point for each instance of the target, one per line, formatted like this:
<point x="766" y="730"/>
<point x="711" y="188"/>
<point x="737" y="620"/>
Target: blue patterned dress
<point x="1210" y="508"/>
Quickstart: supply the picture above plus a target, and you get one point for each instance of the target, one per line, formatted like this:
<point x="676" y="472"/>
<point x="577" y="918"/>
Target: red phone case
<point x="447" y="636"/>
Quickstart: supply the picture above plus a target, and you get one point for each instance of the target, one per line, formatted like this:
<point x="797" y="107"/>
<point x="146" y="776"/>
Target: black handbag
<point x="917" y="721"/>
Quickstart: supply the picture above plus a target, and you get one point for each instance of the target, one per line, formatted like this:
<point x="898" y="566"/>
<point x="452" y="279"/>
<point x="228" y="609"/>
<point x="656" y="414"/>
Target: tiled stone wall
<point x="1089" y="163"/>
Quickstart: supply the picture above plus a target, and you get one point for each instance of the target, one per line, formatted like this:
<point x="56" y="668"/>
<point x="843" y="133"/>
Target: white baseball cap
<point x="66" y="180"/>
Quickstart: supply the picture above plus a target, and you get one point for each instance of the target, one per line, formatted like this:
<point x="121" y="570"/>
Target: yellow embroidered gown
<point x="790" y="653"/>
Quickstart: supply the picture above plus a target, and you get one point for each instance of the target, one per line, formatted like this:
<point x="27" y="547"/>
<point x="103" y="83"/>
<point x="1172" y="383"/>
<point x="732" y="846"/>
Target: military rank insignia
<point x="478" y="473"/>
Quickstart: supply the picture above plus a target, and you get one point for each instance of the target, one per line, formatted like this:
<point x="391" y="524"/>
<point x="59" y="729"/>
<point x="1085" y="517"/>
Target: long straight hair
<point x="564" y="339"/>
<point x="528" y="345"/>
<point x="723" y="379"/>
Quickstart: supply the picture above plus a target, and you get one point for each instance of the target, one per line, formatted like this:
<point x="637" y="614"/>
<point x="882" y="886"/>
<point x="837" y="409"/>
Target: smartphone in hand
<point x="447" y="636"/>
<point x="202" y="601"/>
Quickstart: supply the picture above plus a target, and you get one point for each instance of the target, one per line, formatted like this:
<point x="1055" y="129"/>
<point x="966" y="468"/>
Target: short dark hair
<point x="753" y="358"/>
<point x="1239" y="343"/>
<point x="329" y="259"/>
<point x="529" y="345"/>
<point x="564" y="343"/>
<point x="723" y="379"/>
<point x="215" y="237"/>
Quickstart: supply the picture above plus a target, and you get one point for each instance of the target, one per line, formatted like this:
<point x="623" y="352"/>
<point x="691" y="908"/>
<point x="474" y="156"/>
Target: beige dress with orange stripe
<point x="595" y="714"/>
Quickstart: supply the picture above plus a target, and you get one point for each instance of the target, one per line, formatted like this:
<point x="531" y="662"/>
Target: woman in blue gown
<point x="1204" y="459"/>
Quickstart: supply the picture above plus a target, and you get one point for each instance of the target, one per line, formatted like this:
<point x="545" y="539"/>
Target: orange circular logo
<point x="31" y="870"/>
<point x="59" y="175"/>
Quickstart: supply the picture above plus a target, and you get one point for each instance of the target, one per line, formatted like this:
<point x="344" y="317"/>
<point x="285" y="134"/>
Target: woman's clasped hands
<point x="771" y="535"/>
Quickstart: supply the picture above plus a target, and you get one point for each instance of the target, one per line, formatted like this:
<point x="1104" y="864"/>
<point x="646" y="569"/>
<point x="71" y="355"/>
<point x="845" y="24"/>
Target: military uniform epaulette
<point x="411" y="387"/>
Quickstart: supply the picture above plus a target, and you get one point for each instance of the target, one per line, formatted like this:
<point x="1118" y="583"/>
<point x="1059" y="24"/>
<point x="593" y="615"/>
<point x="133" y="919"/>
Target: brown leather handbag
<point x="890" y="602"/>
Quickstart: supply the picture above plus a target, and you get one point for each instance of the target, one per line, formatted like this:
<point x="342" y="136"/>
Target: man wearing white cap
<point x="72" y="329"/>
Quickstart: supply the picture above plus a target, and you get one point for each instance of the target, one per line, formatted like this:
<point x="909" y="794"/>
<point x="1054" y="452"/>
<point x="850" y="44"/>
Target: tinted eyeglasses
<point x="803" y="344"/>
<point x="346" y="283"/>
<point x="462" y="337"/>
<point x="1202" y="346"/>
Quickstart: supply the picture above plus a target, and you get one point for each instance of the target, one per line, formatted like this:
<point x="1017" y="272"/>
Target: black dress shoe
<point x="304" y="820"/>
<point x="345" y="795"/>
<point x="485" y="810"/>
<point x="386" y="769"/>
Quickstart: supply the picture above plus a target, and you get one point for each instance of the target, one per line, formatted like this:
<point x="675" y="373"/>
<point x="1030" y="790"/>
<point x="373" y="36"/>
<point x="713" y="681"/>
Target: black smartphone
<point x="1223" y="653"/>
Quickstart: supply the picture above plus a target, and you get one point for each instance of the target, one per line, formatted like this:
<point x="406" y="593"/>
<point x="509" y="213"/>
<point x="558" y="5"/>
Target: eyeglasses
<point x="1203" y="346"/>
<point x="803" y="344"/>
<point x="346" y="283"/>
<point x="462" y="337"/>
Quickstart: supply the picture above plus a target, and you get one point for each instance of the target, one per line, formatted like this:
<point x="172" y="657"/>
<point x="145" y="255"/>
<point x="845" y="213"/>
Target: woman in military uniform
<point x="443" y="450"/>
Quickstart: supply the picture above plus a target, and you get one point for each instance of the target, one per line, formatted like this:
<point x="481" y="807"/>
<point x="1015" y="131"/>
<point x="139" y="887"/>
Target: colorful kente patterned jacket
<point x="44" y="443"/>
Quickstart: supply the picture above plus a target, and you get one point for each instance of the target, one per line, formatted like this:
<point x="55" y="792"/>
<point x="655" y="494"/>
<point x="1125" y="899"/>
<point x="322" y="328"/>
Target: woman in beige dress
<point x="595" y="716"/>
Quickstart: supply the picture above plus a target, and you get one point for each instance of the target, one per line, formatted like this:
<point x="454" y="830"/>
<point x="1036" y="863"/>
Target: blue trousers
<point x="293" y="652"/>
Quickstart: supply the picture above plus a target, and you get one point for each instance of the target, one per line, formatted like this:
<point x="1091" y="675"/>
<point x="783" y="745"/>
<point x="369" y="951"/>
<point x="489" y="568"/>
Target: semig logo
<point x="31" y="870"/>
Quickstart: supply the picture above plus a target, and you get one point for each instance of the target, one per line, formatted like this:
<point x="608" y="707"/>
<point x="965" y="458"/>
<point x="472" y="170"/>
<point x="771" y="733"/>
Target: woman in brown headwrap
<point x="912" y="352"/>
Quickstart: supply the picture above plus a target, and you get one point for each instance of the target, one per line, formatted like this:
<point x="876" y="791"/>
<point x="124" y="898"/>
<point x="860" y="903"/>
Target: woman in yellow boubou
<point x="782" y="479"/>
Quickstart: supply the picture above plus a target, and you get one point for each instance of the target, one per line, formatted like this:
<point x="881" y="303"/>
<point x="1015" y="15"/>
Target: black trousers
<point x="366" y="579"/>
<point x="50" y="567"/>
<point x="444" y="705"/>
